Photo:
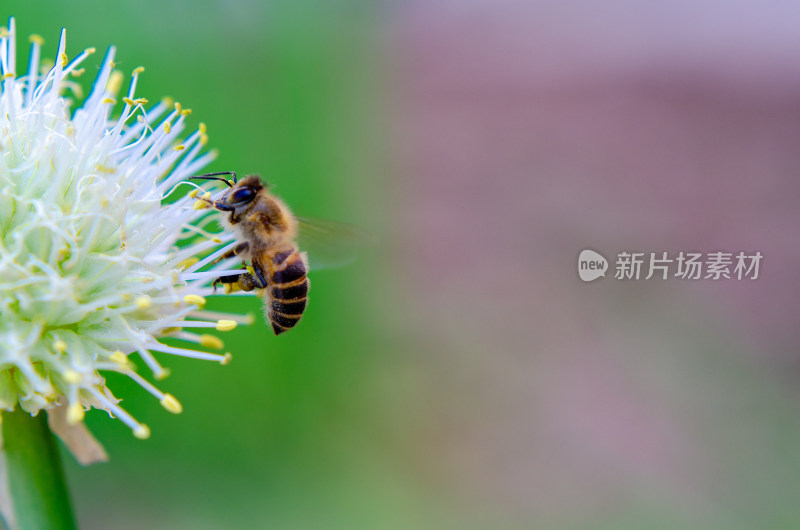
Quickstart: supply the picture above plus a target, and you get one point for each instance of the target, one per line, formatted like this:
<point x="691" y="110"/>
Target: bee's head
<point x="243" y="192"/>
<point x="239" y="198"/>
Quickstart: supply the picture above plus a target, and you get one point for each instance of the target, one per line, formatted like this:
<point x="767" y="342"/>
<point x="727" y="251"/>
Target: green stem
<point x="39" y="496"/>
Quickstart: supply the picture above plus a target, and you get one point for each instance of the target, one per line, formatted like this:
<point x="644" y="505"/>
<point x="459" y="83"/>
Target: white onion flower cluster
<point x="97" y="262"/>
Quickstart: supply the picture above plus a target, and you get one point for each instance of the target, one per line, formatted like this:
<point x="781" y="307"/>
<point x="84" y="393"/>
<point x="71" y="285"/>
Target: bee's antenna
<point x="213" y="176"/>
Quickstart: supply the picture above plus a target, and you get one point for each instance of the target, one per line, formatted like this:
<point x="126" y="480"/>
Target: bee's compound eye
<point x="241" y="196"/>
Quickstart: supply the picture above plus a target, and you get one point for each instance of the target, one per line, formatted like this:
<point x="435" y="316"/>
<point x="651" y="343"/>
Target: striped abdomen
<point x="288" y="290"/>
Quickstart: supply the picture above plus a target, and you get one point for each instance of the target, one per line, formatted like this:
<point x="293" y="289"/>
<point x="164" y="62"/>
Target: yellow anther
<point x="119" y="358"/>
<point x="9" y="75"/>
<point x="226" y="325"/>
<point x="251" y="270"/>
<point x="203" y="139"/>
<point x="78" y="72"/>
<point x="226" y="359"/>
<point x="249" y="319"/>
<point x="202" y="128"/>
<point x="178" y="107"/>
<point x="171" y="404"/>
<point x="138" y="70"/>
<point x="4" y="32"/>
<point x="216" y="240"/>
<point x="186" y="112"/>
<point x="211" y="341"/>
<point x="167" y="127"/>
<point x="129" y="101"/>
<point x="194" y="299"/>
<point x="89" y="51"/>
<point x="188" y="262"/>
<point x="36" y="39"/>
<point x="142" y="432"/>
<point x="60" y="346"/>
<point x="109" y="100"/>
<point x="144" y="302"/>
<point x="71" y="376"/>
<point x="141" y="101"/>
<point x="194" y="193"/>
<point x="180" y="147"/>
<point x="64" y="60"/>
<point x="201" y="205"/>
<point x="168" y="101"/>
<point x="75" y="413"/>
<point x="114" y="83"/>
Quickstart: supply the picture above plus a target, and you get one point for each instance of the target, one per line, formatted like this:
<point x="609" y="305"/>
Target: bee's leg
<point x="262" y="282"/>
<point x="247" y="282"/>
<point x="228" y="281"/>
<point x="235" y="251"/>
<point x="249" y="279"/>
<point x="239" y="249"/>
<point x="253" y="280"/>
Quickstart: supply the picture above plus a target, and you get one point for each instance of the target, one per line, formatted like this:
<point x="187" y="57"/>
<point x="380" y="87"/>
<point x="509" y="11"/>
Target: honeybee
<point x="268" y="234"/>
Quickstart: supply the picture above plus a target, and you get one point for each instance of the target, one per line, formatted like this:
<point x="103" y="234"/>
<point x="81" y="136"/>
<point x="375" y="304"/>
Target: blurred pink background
<point x="524" y="132"/>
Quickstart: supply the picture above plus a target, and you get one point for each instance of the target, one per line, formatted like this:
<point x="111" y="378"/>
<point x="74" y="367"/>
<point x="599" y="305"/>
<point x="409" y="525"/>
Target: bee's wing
<point x="329" y="243"/>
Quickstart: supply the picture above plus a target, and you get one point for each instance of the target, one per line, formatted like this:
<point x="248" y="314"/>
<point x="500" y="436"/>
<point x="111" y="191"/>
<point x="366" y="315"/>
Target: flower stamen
<point x="94" y="263"/>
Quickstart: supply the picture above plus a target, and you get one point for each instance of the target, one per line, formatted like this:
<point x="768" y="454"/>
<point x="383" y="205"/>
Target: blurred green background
<point x="459" y="374"/>
<point x="288" y="435"/>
